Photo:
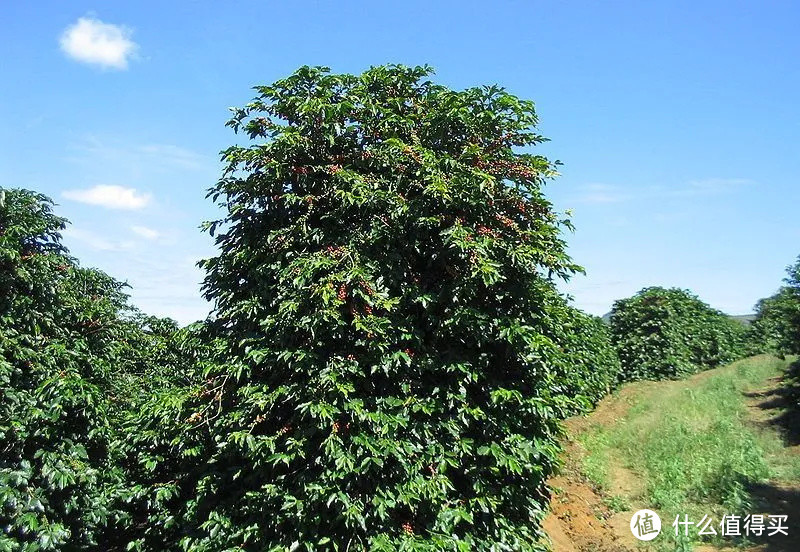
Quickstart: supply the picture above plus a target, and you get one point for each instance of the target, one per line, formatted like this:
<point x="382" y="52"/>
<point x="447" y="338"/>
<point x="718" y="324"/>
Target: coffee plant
<point x="156" y="449"/>
<point x="591" y="361"/>
<point x="586" y="361"/>
<point x="777" y="323"/>
<point x="670" y="333"/>
<point x="776" y="330"/>
<point x="388" y="371"/>
<point x="75" y="358"/>
<point x="61" y="341"/>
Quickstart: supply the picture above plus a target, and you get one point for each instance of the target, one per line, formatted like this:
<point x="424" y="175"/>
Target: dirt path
<point x="581" y="519"/>
<point x="769" y="409"/>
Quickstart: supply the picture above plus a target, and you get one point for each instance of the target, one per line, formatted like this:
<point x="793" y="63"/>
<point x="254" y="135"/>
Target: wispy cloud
<point x="145" y="232"/>
<point x="168" y="285"/>
<point x="601" y="193"/>
<point x="163" y="275"/>
<point x="160" y="157"/>
<point x="717" y="185"/>
<point x="92" y="41"/>
<point x="95" y="241"/>
<point x="173" y="155"/>
<point x="606" y="193"/>
<point x="111" y="197"/>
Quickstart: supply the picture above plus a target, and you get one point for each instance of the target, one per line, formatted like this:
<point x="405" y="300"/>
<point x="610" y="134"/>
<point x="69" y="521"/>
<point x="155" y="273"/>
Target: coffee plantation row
<point x="387" y="360"/>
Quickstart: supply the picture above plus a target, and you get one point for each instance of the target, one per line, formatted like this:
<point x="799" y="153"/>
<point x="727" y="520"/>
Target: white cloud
<point x="91" y="41"/>
<point x="174" y="155"/>
<point x="604" y="193"/>
<point x="146" y="232"/>
<point x="112" y="197"/>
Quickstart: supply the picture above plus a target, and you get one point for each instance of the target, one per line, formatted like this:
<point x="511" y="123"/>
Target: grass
<point x="693" y="446"/>
<point x="617" y="503"/>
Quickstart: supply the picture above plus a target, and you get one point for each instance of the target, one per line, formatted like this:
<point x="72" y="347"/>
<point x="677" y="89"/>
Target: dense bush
<point x="670" y="333"/>
<point x="156" y="446"/>
<point x="61" y="341"/>
<point x="591" y="365"/>
<point x="777" y="323"/>
<point x="777" y="330"/>
<point x="74" y="358"/>
<point x="388" y="373"/>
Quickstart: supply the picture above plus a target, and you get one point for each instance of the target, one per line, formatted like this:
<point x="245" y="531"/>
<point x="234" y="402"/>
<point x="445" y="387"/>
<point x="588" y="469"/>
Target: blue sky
<point x="677" y="123"/>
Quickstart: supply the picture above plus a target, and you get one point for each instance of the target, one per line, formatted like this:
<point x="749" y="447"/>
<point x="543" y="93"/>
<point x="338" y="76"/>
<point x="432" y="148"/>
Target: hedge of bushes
<point x="75" y="359"/>
<point x="590" y="361"/>
<point x="777" y="323"/>
<point x="776" y="329"/>
<point x="669" y="333"/>
<point x="125" y="431"/>
<point x="62" y="346"/>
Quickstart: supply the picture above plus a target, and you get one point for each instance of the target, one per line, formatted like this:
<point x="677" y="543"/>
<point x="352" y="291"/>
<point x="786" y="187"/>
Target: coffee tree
<point x="390" y="376"/>
<point x="670" y="333"/>
<point x="591" y="365"/>
<point x="776" y="329"/>
<point x="156" y="448"/>
<point x="777" y="323"/>
<point x="62" y="344"/>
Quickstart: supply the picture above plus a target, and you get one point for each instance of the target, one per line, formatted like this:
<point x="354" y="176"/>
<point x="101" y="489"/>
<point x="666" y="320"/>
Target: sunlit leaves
<point x="777" y="325"/>
<point x="669" y="333"/>
<point x="384" y="293"/>
<point x="61" y="337"/>
<point x="69" y="349"/>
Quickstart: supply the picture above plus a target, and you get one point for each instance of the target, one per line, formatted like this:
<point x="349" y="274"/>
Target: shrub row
<point x="777" y="323"/>
<point x="124" y="431"/>
<point x="777" y="330"/>
<point x="590" y="361"/>
<point x="669" y="333"/>
<point x="76" y="362"/>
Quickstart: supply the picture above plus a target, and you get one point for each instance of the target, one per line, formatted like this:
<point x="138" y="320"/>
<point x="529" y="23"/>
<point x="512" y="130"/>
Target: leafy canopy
<point x="777" y="323"/>
<point x="592" y="367"/>
<point x="62" y="345"/>
<point x="390" y="371"/>
<point x="670" y="333"/>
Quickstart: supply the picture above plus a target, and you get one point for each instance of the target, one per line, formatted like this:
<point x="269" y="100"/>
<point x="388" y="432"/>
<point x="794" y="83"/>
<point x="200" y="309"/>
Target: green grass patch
<point x="693" y="446"/>
<point x="617" y="503"/>
<point x="596" y="462"/>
